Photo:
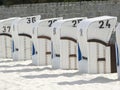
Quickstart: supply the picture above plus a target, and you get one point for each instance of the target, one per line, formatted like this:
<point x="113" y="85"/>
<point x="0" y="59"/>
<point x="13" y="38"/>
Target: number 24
<point x="103" y="25"/>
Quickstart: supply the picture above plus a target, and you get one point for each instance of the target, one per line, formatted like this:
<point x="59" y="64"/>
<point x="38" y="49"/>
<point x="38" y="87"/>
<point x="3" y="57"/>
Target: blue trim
<point x="117" y="56"/>
<point x="33" y="49"/>
<point x="13" y="46"/>
<point x="51" y="49"/>
<point x="79" y="54"/>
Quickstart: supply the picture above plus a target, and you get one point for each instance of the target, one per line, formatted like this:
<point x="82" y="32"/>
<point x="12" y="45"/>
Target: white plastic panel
<point x="118" y="47"/>
<point x="65" y="43"/>
<point x="55" y="45"/>
<point x="97" y="32"/>
<point x="22" y="31"/>
<point x="102" y="29"/>
<point x="6" y="38"/>
<point x="82" y="47"/>
<point x="42" y="41"/>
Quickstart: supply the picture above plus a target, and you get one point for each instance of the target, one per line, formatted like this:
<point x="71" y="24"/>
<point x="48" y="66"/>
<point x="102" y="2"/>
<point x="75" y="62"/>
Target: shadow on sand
<point x="98" y="79"/>
<point x="26" y="70"/>
<point x="5" y="61"/>
<point x="52" y="75"/>
<point x="24" y="67"/>
<point x="95" y="80"/>
<point x="17" y="65"/>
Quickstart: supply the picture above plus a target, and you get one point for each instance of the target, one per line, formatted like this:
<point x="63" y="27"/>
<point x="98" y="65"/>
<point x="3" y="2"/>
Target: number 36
<point x="31" y="20"/>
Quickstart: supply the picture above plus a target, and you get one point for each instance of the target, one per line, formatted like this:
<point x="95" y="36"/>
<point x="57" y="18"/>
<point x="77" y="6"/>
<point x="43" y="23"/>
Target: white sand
<point x="22" y="75"/>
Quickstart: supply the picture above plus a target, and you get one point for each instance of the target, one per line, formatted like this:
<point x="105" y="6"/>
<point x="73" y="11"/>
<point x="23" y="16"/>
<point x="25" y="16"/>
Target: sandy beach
<point x="22" y="75"/>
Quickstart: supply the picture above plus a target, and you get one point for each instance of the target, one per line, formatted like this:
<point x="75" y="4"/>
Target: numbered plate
<point x="44" y="26"/>
<point x="75" y="22"/>
<point x="98" y="28"/>
<point x="6" y="29"/>
<point x="26" y="24"/>
<point x="5" y="26"/>
<point x="30" y="20"/>
<point x="50" y="22"/>
<point x="69" y="27"/>
<point x="102" y="29"/>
